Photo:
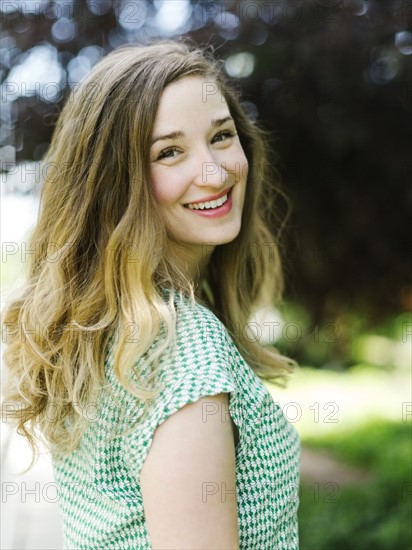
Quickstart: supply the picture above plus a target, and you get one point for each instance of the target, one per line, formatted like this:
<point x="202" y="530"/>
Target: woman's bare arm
<point x="188" y="480"/>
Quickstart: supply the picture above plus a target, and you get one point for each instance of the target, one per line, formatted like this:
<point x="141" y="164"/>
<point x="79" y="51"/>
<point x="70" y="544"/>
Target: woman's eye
<point x="172" y="152"/>
<point x="223" y="135"/>
<point x="167" y="153"/>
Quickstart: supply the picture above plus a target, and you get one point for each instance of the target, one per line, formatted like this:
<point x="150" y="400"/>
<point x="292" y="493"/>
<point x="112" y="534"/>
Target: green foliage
<point x="374" y="514"/>
<point x="347" y="340"/>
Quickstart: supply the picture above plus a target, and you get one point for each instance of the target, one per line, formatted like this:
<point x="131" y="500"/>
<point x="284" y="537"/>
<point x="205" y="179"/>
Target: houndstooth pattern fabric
<point x="99" y="492"/>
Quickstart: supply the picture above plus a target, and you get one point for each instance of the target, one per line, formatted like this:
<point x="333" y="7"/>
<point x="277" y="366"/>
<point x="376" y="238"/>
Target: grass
<point x="375" y="515"/>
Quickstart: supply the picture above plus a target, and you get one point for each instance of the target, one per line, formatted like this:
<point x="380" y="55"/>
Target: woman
<point x="132" y="355"/>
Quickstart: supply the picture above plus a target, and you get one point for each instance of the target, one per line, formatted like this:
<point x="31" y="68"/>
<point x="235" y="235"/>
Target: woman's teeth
<point x="207" y="205"/>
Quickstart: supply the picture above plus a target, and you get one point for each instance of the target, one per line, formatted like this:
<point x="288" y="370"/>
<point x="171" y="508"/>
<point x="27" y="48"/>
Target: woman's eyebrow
<point x="178" y="133"/>
<point x="173" y="135"/>
<point x="219" y="121"/>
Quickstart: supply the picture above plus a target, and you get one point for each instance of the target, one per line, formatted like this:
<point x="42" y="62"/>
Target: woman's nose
<point x="212" y="173"/>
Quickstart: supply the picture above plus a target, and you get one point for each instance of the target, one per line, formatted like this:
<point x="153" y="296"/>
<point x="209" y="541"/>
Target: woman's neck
<point x="192" y="261"/>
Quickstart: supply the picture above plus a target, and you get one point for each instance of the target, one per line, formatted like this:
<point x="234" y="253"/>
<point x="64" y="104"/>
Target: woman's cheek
<point x="241" y="166"/>
<point x="166" y="188"/>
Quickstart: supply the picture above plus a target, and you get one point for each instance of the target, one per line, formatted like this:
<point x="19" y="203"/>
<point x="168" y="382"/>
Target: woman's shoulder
<point x="195" y="320"/>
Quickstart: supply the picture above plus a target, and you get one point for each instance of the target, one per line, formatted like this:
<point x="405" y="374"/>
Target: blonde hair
<point x="96" y="272"/>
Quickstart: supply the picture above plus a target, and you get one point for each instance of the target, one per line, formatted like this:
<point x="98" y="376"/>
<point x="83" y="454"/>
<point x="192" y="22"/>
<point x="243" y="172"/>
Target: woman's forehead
<point x="200" y="88"/>
<point x="191" y="99"/>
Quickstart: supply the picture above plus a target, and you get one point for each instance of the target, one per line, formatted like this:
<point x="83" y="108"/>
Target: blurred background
<point x="332" y="81"/>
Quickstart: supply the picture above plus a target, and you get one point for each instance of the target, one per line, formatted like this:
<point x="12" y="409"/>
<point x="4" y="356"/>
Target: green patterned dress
<point x="99" y="491"/>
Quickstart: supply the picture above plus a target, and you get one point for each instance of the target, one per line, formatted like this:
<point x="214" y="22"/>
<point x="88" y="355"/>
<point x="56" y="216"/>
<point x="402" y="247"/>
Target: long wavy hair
<point x="101" y="249"/>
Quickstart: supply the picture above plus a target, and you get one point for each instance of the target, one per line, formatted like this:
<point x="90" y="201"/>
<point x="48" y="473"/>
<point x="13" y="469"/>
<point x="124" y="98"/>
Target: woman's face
<point x="196" y="158"/>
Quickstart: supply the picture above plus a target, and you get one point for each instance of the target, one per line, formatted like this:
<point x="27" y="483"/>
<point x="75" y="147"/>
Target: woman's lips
<point x="217" y="212"/>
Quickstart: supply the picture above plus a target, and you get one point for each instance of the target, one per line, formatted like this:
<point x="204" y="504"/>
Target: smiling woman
<point x="197" y="172"/>
<point x="122" y="348"/>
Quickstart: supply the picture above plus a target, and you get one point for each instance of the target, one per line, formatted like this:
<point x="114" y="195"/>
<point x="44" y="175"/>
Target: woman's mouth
<point x="211" y="209"/>
<point x="209" y="205"/>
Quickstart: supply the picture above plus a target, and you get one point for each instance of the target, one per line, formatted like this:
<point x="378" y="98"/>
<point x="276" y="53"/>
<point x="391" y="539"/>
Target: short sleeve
<point x="201" y="367"/>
